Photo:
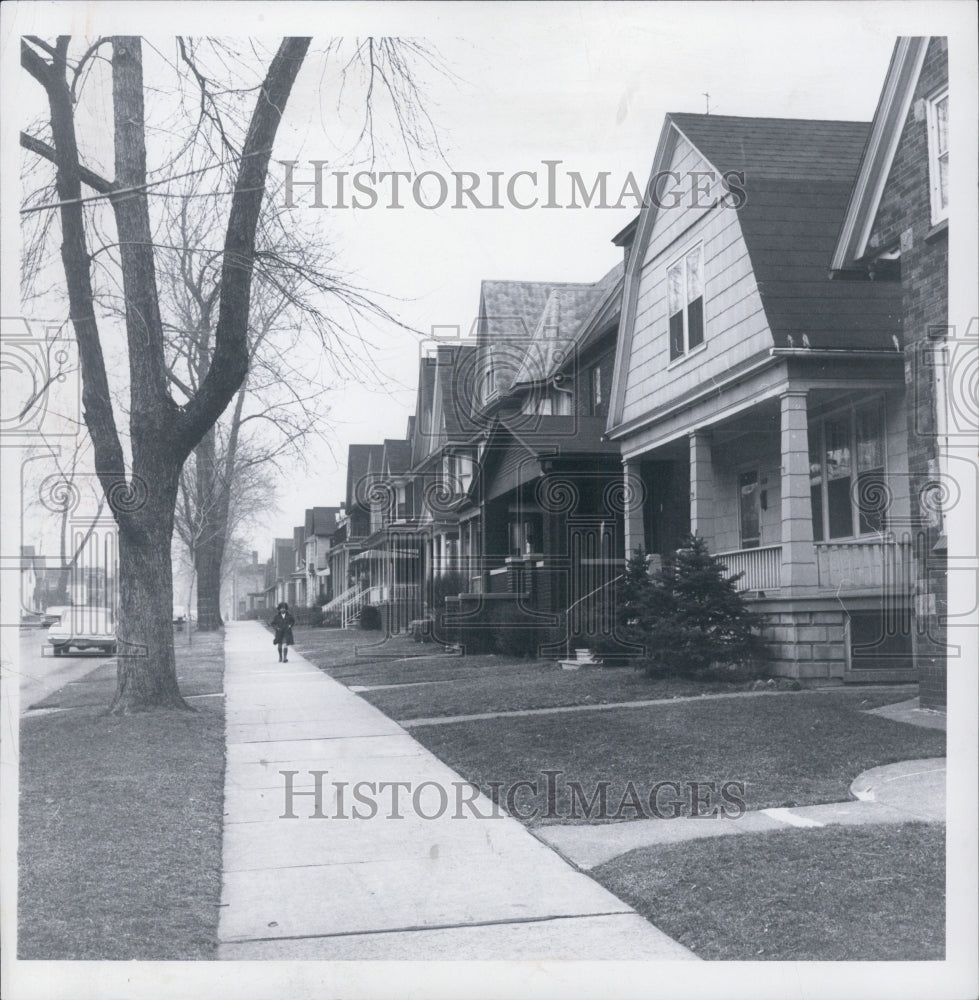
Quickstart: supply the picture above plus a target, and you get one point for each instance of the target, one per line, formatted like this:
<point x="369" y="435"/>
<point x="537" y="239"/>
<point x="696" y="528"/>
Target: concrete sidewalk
<point x="382" y="888"/>
<point x="909" y="791"/>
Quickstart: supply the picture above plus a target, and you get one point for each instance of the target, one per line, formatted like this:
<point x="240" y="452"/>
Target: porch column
<point x="701" y="488"/>
<point x="798" y="553"/>
<point x="632" y="515"/>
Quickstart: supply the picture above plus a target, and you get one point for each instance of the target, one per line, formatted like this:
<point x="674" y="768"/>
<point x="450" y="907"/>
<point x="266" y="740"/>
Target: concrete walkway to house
<point x="465" y="885"/>
<point x="908" y="791"/>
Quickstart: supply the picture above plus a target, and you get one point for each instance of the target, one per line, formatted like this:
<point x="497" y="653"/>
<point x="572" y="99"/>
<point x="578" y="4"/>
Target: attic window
<point x="685" y="302"/>
<point x="938" y="155"/>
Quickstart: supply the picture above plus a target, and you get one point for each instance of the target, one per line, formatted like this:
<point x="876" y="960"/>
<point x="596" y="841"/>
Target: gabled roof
<point x="798" y="174"/>
<point x="455" y="374"/>
<point x="321" y="520"/>
<point x="885" y="135"/>
<point x="562" y="318"/>
<point x="360" y="459"/>
<point x="776" y="148"/>
<point x="397" y="456"/>
<point x="798" y="177"/>
<point x="509" y="313"/>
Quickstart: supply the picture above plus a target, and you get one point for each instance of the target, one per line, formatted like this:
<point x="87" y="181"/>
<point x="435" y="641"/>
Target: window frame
<point x="818" y="424"/>
<point x="939" y="212"/>
<point x="681" y="261"/>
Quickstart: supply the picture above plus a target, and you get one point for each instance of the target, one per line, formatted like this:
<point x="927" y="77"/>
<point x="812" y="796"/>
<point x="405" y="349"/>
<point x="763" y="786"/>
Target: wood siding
<point x="735" y="326"/>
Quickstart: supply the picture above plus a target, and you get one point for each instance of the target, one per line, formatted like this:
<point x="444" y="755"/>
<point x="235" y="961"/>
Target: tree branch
<point x="86" y="176"/>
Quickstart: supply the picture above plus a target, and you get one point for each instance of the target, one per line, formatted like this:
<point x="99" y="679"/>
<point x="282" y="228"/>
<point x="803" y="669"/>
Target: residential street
<point x="42" y="673"/>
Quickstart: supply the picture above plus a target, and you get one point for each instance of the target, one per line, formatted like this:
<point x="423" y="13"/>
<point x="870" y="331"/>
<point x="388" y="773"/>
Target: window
<point x="685" y="303"/>
<point x="749" y="507"/>
<point x="596" y="388"/>
<point x="938" y="155"/>
<point x="846" y="474"/>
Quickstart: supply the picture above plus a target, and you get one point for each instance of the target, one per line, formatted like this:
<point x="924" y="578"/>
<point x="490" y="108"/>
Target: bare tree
<point x="162" y="431"/>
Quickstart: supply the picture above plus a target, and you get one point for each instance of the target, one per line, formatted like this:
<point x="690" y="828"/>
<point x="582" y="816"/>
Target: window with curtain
<point x="685" y="302"/>
<point x="847" y="473"/>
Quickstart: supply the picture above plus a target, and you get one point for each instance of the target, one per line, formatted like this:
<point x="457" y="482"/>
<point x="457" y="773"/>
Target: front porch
<point x="804" y="496"/>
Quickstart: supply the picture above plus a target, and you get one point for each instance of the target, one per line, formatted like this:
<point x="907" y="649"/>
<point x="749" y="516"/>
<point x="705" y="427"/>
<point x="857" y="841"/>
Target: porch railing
<point x="762" y="567"/>
<point x="352" y="607"/>
<point x="864" y="563"/>
<point x="337" y="602"/>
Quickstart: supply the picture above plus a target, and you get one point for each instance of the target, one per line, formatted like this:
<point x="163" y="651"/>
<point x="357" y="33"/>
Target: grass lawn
<point x="831" y="894"/>
<point x="120" y="820"/>
<point x="483" y="683"/>
<point x="788" y="749"/>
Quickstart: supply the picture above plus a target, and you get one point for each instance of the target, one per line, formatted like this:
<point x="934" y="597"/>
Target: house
<point x="539" y="532"/>
<point x="759" y="403"/>
<point x="320" y="524"/>
<point x="389" y="564"/>
<point x="248" y="586"/>
<point x="444" y="439"/>
<point x="280" y="584"/>
<point x="347" y="540"/>
<point x="896" y="229"/>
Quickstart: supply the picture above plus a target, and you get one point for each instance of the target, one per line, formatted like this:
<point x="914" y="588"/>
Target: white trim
<point x="939" y="213"/>
<point x="885" y="135"/>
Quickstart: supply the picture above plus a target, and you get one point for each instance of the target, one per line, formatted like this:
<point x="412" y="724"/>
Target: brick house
<point x="760" y="404"/>
<point x="896" y="229"/>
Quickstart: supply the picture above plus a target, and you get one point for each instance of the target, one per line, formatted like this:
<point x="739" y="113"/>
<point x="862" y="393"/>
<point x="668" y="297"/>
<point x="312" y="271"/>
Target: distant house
<point x="895" y="229"/>
<point x="247" y="586"/>
<point x="280" y="584"/>
<point x="347" y="542"/>
<point x="319" y="527"/>
<point x="760" y="404"/>
<point x="388" y="566"/>
<point x="41" y="585"/>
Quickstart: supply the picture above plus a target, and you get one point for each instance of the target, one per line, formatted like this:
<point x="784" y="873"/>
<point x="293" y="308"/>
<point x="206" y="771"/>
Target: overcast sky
<point x="585" y="84"/>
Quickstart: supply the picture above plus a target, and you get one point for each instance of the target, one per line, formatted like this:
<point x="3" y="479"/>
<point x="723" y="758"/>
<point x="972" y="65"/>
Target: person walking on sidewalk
<point x="282" y="624"/>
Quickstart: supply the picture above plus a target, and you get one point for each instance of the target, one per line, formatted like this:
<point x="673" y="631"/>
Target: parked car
<point x="83" y="628"/>
<point x="53" y="615"/>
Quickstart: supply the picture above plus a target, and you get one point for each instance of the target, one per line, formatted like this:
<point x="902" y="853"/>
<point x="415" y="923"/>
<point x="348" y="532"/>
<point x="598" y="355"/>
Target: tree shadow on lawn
<point x="788" y="750"/>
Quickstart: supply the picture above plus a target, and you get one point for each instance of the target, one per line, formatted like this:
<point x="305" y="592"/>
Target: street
<point x="42" y="673"/>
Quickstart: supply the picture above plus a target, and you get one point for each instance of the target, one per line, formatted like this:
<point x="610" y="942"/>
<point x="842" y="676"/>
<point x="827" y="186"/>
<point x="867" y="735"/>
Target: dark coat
<point x="282" y="625"/>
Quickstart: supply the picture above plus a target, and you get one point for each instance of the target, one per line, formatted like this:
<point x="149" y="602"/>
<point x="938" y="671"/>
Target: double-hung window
<point x="846" y="473"/>
<point x="685" y="302"/>
<point x="938" y="155"/>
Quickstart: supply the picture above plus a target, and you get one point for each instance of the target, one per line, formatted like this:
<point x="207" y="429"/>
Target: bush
<point x="370" y="618"/>
<point x="449" y="584"/>
<point x="331" y="619"/>
<point x="309" y="617"/>
<point x="688" y="615"/>
<point x="517" y="634"/>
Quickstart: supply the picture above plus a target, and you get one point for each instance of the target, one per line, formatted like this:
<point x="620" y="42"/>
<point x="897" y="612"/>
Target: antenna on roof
<point x="707" y="98"/>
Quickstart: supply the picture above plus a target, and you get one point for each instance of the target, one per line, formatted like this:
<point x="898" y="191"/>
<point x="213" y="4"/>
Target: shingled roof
<point x="397" y="456"/>
<point x="321" y="520"/>
<point x="360" y="458"/>
<point x="509" y="314"/>
<point x="798" y="175"/>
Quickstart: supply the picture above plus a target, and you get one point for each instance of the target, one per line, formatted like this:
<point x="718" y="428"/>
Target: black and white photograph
<point x="489" y="500"/>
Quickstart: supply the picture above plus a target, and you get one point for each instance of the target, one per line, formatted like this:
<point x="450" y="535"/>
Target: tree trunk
<point x="146" y="676"/>
<point x="207" y="562"/>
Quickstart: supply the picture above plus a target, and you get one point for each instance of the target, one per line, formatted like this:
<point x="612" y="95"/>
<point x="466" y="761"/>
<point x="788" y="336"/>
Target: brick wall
<point x="904" y="218"/>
